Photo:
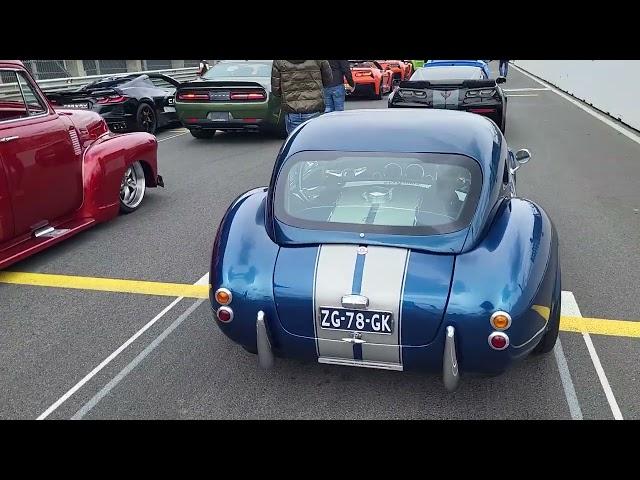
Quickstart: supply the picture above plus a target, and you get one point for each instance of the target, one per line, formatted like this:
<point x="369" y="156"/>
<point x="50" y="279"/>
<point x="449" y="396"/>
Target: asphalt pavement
<point x="55" y="342"/>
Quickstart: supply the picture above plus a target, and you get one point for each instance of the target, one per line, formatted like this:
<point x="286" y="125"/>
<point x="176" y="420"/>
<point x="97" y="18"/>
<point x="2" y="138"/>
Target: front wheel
<point x="132" y="188"/>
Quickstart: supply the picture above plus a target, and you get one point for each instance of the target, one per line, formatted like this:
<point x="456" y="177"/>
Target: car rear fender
<point x="242" y="261"/>
<point x="512" y="269"/>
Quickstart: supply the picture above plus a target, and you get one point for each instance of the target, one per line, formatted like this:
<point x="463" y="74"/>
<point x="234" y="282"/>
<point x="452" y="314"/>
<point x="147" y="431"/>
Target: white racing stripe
<point x="382" y="273"/>
<point x="202" y="281"/>
<point x="570" y="309"/>
<point x="382" y="283"/>
<point x="334" y="278"/>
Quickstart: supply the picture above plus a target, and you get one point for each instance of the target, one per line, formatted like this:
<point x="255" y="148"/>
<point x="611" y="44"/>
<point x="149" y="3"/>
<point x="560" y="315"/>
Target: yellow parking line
<point x="600" y="326"/>
<point x="106" y="284"/>
<point x="597" y="326"/>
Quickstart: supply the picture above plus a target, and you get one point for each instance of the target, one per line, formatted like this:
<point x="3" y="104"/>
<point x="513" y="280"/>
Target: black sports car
<point x="136" y="102"/>
<point x="457" y="87"/>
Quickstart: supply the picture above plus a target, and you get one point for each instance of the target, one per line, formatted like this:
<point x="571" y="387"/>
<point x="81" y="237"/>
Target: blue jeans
<point x="334" y="98"/>
<point x="504" y="67"/>
<point x="292" y="120"/>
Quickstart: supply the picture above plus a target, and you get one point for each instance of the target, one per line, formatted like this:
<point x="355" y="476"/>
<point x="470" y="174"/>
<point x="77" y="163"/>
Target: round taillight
<point x="500" y="320"/>
<point x="223" y="296"/>
<point x="225" y="314"/>
<point x="498" y="340"/>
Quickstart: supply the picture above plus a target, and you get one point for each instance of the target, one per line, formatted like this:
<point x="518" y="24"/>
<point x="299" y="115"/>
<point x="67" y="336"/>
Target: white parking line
<point x="532" y="89"/>
<point x="567" y="383"/>
<point x="87" y="407"/>
<point x="570" y="308"/>
<point x="591" y="111"/>
<point x="172" y="136"/>
<point x="202" y="281"/>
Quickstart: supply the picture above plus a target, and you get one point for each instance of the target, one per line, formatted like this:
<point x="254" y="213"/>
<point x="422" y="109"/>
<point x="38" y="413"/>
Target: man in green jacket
<point x="300" y="85"/>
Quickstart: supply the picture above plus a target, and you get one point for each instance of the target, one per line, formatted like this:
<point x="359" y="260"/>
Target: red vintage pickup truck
<point x="61" y="171"/>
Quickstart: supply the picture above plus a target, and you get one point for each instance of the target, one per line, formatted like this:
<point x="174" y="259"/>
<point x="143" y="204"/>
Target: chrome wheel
<point x="132" y="188"/>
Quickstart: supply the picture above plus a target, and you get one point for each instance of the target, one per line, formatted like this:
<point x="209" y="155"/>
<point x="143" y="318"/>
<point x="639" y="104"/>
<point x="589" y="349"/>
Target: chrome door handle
<point x="8" y="139"/>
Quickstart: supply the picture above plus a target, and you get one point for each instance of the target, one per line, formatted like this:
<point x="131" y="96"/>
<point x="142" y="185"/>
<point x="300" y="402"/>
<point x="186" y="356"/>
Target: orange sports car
<point x="408" y="70"/>
<point x="371" y="78"/>
<point x="397" y="67"/>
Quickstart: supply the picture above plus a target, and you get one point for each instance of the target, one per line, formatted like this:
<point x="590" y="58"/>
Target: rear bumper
<point x="366" y="88"/>
<point x="119" y="118"/>
<point x="492" y="111"/>
<point x="233" y="124"/>
<point x="473" y="353"/>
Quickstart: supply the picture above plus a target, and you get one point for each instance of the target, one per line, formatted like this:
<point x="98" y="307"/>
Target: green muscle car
<point x="231" y="95"/>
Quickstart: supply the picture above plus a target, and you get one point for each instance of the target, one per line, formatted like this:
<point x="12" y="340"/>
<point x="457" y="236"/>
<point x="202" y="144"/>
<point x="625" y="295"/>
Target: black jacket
<point x="339" y="70"/>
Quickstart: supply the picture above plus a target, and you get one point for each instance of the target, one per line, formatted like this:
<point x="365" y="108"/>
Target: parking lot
<point x="144" y="344"/>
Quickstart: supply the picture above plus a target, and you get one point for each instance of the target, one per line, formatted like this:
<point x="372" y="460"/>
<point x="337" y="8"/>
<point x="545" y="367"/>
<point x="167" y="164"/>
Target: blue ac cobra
<point x="390" y="239"/>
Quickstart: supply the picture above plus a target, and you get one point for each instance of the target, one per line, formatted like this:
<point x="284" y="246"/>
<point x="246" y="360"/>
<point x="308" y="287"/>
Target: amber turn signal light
<point x="223" y="296"/>
<point x="500" y="320"/>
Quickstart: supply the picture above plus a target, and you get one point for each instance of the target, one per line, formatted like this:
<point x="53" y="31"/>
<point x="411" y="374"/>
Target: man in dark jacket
<point x="334" y="92"/>
<point x="299" y="84"/>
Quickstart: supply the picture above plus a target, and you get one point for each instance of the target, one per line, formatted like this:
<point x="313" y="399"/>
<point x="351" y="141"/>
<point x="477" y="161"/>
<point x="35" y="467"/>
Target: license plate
<point x="76" y="105"/>
<point x="218" y="116"/>
<point x="169" y="109"/>
<point x="220" y="95"/>
<point x="372" y="321"/>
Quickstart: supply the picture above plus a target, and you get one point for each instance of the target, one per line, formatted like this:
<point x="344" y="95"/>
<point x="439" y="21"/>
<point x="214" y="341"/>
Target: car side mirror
<point x="521" y="157"/>
<point x="500" y="80"/>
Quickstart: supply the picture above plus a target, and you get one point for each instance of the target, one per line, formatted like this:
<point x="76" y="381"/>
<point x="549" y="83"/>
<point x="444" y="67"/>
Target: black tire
<point x="551" y="335"/>
<point x="378" y="96"/>
<point x="250" y="350"/>
<point x="146" y="120"/>
<point x="203" y="134"/>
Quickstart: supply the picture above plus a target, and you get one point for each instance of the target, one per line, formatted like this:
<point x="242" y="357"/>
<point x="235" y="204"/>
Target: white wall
<point x="609" y="85"/>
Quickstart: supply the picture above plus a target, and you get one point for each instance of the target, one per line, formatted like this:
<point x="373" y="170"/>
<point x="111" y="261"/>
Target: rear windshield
<point x="447" y="73"/>
<point x="108" y="83"/>
<point x="362" y="64"/>
<point x="393" y="193"/>
<point x="239" y="69"/>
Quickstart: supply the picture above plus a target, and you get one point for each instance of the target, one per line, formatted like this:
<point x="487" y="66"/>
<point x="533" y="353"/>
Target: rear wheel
<point x="132" y="188"/>
<point x="209" y="133"/>
<point x="551" y="335"/>
<point x="146" y="120"/>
